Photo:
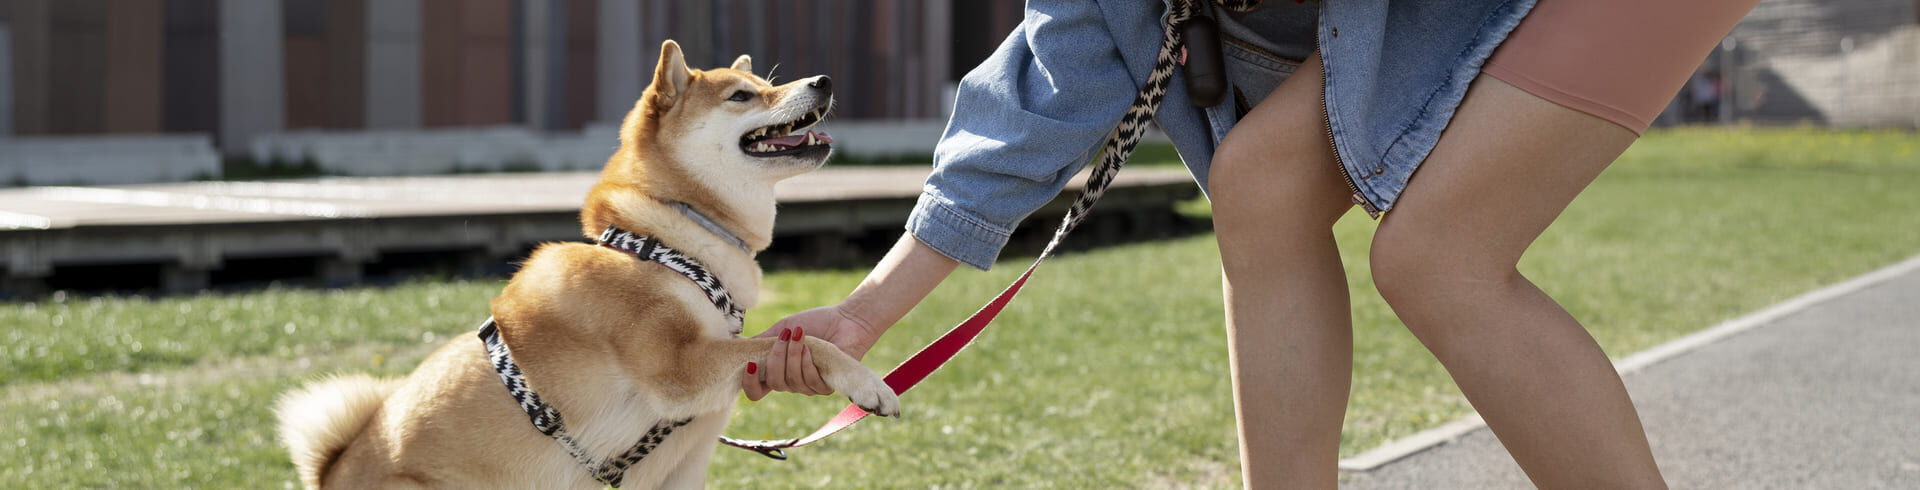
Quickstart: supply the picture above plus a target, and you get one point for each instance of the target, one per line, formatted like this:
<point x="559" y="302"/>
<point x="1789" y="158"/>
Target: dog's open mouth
<point x="781" y="139"/>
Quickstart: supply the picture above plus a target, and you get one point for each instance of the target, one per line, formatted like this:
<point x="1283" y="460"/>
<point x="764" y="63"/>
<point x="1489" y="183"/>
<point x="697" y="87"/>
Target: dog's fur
<point x="615" y="343"/>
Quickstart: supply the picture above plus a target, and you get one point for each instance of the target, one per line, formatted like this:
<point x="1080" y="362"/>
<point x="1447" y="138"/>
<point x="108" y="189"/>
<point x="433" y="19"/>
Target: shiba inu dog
<point x="617" y="345"/>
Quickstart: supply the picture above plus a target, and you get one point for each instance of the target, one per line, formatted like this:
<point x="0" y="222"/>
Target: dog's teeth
<point x="808" y="141"/>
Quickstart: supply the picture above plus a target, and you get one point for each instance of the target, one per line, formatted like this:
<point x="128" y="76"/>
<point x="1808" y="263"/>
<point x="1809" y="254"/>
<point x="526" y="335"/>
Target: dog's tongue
<point x="793" y="140"/>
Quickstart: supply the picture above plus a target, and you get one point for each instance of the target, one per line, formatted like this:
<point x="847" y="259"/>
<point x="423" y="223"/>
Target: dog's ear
<point x="743" y="63"/>
<point x="670" y="78"/>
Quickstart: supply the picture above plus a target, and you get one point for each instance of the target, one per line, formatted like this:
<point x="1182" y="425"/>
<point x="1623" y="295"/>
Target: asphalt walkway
<point x="1824" y="397"/>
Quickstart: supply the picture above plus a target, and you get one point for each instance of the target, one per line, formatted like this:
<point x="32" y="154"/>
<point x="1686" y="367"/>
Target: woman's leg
<point x="1445" y="258"/>
<point x="1276" y="193"/>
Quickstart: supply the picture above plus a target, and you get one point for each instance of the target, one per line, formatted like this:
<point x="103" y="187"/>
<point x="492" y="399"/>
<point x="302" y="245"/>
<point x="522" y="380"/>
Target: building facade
<point x="239" y="69"/>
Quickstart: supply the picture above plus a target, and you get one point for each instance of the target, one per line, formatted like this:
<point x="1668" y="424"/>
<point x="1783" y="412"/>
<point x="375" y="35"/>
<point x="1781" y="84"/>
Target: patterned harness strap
<point x="1119" y="145"/>
<point x="547" y="420"/>
<point x="648" y="248"/>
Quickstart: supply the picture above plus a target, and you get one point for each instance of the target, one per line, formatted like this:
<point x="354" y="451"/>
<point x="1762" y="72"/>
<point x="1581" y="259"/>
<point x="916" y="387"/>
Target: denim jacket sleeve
<point x="1024" y="121"/>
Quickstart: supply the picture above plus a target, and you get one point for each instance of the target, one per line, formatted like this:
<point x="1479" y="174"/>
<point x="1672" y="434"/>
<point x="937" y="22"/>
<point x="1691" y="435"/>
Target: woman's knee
<point x="1233" y="176"/>
<point x="1411" y="268"/>
<point x="1272" y="181"/>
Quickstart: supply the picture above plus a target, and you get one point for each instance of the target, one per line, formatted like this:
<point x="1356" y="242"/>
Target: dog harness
<point x="547" y="420"/>
<point x="648" y="248"/>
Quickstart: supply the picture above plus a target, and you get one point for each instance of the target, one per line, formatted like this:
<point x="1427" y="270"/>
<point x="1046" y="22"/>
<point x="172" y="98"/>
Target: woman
<point x="1506" y="108"/>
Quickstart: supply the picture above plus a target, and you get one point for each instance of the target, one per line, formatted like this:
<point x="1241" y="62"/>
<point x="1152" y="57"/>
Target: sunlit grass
<point x="1110" y="370"/>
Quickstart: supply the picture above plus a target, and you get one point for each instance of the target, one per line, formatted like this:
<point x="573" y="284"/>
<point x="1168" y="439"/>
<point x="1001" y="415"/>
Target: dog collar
<point x="648" y="248"/>
<point x="710" y="225"/>
<point x="547" y="420"/>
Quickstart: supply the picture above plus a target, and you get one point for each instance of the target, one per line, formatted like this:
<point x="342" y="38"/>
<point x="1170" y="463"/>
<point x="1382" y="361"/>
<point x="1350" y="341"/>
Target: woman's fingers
<point x="796" y="380"/>
<point x="811" y="373"/>
<point x="755" y="382"/>
<point x="789" y="366"/>
<point x="777" y="365"/>
<point x="755" y="386"/>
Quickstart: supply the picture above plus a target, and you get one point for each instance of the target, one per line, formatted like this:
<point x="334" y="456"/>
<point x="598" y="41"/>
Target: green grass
<point x="1110" y="370"/>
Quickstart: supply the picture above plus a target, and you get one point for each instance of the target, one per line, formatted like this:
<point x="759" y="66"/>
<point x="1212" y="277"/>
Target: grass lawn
<point x="1110" y="370"/>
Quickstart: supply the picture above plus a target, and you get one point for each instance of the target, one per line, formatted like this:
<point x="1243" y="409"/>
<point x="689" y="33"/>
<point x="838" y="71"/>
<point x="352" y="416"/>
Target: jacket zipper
<point x="1327" y="117"/>
<point x="1358" y="198"/>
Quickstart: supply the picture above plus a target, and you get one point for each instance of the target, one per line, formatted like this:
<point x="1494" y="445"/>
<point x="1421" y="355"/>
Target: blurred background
<point x="399" y="86"/>
<point x="166" y="89"/>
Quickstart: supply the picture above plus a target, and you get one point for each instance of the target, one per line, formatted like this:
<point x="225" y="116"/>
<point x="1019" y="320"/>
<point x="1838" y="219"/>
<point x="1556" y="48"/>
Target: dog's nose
<point x="822" y="82"/>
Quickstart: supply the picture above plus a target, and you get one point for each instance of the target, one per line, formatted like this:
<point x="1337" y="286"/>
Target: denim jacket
<point x="1035" y="112"/>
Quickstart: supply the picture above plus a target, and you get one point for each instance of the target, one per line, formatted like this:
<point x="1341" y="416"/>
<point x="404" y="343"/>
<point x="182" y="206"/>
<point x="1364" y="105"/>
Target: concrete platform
<point x="191" y="229"/>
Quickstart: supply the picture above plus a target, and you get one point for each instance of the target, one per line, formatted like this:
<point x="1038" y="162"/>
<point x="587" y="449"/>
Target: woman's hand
<point x="903" y="278"/>
<point x="789" y="364"/>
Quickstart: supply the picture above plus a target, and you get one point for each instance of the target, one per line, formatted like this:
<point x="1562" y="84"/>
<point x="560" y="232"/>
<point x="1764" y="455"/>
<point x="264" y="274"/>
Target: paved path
<point x="1828" y="397"/>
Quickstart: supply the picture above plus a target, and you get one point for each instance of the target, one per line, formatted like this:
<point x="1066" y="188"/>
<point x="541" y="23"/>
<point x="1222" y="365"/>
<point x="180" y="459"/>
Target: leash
<point x="1119" y="145"/>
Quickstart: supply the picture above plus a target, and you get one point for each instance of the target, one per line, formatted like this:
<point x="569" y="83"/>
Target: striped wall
<point x="235" y="69"/>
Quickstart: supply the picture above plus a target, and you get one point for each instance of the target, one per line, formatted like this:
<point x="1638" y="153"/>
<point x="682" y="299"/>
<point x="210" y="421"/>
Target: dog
<point x="620" y="346"/>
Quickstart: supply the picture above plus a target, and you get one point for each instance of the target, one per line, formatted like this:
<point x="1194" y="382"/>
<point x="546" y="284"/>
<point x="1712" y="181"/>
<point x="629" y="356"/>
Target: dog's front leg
<point x="727" y="359"/>
<point x="691" y="473"/>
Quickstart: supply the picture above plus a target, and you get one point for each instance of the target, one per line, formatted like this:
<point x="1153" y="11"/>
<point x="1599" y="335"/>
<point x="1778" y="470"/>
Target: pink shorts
<point x="1618" y="60"/>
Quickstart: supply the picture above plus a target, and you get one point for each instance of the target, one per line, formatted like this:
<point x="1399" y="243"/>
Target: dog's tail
<point x="318" y="421"/>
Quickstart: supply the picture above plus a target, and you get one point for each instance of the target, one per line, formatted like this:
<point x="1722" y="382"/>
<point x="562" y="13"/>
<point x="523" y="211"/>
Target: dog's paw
<point x="870" y="393"/>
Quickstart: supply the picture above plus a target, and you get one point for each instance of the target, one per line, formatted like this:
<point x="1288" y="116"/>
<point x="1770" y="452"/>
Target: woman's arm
<point x="1025" y="120"/>
<point x="904" y="277"/>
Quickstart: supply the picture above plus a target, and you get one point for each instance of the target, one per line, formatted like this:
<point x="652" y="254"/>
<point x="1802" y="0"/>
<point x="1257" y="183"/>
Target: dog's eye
<point x="741" y="96"/>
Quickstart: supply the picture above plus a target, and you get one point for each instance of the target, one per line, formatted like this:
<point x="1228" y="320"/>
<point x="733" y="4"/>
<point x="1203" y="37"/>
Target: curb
<point x="1407" y="446"/>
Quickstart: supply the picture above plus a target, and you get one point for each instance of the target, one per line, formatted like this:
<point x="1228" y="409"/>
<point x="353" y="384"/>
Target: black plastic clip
<point x="1205" y="66"/>
<point x="771" y="452"/>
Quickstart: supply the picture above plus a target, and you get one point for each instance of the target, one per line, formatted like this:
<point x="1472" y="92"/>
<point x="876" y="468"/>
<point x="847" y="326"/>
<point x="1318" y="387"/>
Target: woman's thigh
<point x="1504" y="169"/>
<point x="1276" y="167"/>
<point x="1536" y="128"/>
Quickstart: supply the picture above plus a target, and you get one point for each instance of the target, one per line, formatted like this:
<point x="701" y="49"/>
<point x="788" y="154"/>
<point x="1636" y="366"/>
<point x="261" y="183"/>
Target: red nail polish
<point x="798" y="332"/>
<point x="753" y="368"/>
<point x="784" y="332"/>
